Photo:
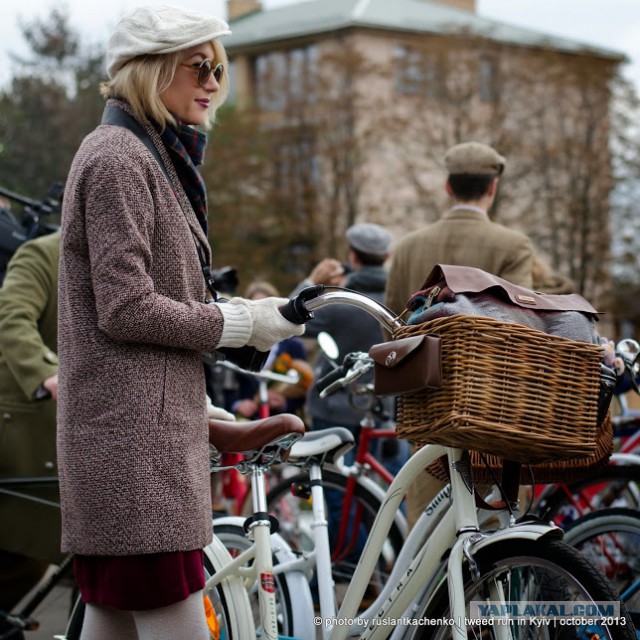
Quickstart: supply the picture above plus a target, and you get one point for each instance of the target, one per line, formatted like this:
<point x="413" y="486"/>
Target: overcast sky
<point x="614" y="24"/>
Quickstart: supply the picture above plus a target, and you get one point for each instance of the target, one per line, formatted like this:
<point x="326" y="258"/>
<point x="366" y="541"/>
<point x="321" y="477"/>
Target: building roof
<point x="314" y="17"/>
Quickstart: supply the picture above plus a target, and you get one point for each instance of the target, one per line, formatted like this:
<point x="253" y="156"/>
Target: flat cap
<point x="474" y="158"/>
<point x="369" y="238"/>
<point x="151" y="30"/>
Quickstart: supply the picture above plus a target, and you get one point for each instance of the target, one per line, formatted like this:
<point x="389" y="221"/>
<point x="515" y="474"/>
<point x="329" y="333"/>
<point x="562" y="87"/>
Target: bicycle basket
<point x="487" y="468"/>
<point x="508" y="389"/>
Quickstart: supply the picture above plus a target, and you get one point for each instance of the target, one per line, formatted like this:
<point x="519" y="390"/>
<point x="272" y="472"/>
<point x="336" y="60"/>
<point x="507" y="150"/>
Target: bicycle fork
<point x="260" y="528"/>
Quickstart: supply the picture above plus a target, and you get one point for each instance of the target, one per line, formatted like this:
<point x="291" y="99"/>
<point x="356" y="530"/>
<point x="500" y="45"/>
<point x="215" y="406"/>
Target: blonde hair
<point x="143" y="78"/>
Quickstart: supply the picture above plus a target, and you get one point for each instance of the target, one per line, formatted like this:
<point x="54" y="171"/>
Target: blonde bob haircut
<point x="143" y="78"/>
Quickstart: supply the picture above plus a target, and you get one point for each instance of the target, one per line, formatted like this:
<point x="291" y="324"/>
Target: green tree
<point x="51" y="103"/>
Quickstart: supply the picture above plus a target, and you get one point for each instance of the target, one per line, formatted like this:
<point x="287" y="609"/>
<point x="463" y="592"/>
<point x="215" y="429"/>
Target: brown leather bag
<point x="406" y="365"/>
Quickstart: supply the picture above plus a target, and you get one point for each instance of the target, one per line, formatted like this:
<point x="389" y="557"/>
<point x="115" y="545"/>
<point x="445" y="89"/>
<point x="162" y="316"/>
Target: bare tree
<point x="548" y="113"/>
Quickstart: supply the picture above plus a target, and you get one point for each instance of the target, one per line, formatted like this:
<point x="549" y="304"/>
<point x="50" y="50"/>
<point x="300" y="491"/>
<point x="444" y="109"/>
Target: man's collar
<point x="469" y="207"/>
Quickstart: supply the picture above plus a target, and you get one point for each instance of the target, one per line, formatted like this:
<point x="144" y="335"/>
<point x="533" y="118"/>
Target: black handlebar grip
<point x="295" y="310"/>
<point x="329" y="379"/>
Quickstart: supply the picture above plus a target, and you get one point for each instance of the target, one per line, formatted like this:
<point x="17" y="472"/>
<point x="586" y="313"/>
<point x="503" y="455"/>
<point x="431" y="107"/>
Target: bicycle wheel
<point x="294" y="516"/>
<point x="229" y="615"/>
<point x="229" y="612"/>
<point x="611" y="540"/>
<point x="614" y="486"/>
<point x="529" y="572"/>
<point x="294" y="619"/>
<point x="74" y="626"/>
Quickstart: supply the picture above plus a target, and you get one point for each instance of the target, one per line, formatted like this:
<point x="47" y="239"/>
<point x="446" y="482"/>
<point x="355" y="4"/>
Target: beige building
<point x="363" y="97"/>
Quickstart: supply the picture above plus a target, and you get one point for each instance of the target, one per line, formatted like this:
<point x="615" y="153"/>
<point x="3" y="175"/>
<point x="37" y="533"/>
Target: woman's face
<point x="184" y="98"/>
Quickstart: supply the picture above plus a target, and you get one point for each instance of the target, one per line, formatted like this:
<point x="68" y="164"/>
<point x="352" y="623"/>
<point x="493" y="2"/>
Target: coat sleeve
<point x="119" y="219"/>
<point x="30" y="282"/>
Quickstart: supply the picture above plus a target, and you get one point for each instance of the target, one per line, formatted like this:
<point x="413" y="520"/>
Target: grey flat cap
<point x="369" y="238"/>
<point x="474" y="158"/>
<point x="159" y="29"/>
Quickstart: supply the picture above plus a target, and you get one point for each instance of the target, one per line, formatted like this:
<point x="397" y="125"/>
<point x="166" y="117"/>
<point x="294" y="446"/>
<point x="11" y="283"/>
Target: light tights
<point x="185" y="619"/>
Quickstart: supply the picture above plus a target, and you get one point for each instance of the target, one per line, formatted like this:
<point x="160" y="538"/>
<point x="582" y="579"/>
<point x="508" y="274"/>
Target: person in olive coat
<point x="30" y="539"/>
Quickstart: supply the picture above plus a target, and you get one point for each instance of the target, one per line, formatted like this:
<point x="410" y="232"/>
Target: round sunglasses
<point x="204" y="69"/>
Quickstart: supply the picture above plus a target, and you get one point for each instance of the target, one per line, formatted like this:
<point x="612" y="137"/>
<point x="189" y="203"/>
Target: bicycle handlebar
<point x="291" y="377"/>
<point x="301" y="307"/>
<point x="354" y="366"/>
<point x="295" y="310"/>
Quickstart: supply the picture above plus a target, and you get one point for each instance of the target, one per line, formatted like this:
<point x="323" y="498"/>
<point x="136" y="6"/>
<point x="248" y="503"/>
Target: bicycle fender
<point x="278" y="544"/>
<point x="523" y="531"/>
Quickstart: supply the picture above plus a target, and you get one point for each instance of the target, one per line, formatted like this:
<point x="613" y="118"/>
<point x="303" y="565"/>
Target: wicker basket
<point x="508" y="389"/>
<point x="489" y="470"/>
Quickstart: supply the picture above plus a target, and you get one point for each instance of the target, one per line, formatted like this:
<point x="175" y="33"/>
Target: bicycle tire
<point x="620" y="487"/>
<point x="282" y="504"/>
<point x="228" y="599"/>
<point x="610" y="538"/>
<point x="534" y="571"/>
<point x="74" y="625"/>
<point x="295" y="619"/>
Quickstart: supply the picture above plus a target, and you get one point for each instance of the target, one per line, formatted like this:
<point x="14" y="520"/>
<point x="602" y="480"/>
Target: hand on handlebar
<point x="266" y="327"/>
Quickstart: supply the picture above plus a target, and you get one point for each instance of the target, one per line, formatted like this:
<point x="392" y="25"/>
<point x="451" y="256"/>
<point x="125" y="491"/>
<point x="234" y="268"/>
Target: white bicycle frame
<point x="418" y="568"/>
<point x="457" y="532"/>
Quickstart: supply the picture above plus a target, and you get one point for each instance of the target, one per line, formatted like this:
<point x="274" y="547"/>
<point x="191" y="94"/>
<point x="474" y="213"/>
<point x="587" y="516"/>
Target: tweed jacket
<point x="28" y="338"/>
<point x="462" y="237"/>
<point x="132" y="421"/>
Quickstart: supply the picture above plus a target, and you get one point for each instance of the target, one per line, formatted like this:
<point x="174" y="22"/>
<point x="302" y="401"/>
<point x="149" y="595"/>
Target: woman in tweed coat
<point x="133" y="321"/>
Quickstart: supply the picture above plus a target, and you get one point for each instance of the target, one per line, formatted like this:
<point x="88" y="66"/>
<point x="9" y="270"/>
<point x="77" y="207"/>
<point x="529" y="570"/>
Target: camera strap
<point x="119" y="117"/>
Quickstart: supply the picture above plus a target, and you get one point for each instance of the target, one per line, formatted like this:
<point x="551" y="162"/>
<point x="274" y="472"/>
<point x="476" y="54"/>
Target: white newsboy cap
<point x="151" y="30"/>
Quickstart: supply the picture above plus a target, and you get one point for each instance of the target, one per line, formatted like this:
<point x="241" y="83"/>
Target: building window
<point x="283" y="77"/>
<point x="416" y="72"/>
<point x="487" y="80"/>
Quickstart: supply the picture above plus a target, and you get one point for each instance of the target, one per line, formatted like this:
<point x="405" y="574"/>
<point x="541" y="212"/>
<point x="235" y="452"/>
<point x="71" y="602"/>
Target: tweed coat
<point x="28" y="338"/>
<point x="132" y="421"/>
<point x="462" y="237"/>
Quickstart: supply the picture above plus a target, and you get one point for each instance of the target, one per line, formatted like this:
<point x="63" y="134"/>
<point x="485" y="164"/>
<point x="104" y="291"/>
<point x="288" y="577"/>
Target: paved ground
<point x="52" y="614"/>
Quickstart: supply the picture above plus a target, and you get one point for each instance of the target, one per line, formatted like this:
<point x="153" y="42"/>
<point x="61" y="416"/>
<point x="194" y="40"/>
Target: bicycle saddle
<point x="241" y="437"/>
<point x="326" y="444"/>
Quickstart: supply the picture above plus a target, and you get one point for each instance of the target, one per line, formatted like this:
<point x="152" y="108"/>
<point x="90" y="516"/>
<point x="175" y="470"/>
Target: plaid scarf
<point x="186" y="147"/>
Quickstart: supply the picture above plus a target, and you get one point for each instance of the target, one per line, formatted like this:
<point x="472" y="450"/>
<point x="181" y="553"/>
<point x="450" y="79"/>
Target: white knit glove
<point x="268" y="324"/>
<point x="218" y="413"/>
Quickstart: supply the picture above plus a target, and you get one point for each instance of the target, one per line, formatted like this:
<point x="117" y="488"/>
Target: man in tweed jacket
<point x="30" y="539"/>
<point x="463" y="236"/>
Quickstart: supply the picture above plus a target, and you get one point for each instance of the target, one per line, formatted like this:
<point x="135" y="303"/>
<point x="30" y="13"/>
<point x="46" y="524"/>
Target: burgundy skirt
<point x="136" y="583"/>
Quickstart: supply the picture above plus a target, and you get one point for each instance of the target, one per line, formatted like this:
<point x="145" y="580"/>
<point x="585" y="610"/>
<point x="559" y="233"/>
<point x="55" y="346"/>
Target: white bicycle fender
<point x="526" y="530"/>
